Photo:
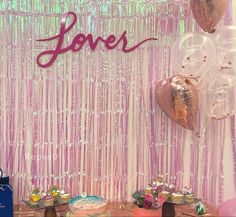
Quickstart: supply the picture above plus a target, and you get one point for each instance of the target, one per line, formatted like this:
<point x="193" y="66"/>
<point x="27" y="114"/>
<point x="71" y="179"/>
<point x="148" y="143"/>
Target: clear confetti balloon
<point x="193" y="55"/>
<point x="226" y="49"/>
<point x="221" y="96"/>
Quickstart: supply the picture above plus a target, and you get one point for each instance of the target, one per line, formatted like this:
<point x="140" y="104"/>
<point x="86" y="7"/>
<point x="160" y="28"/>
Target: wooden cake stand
<point x="168" y="207"/>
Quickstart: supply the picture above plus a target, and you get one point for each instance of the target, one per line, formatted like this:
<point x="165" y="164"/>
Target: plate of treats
<point x="182" y="197"/>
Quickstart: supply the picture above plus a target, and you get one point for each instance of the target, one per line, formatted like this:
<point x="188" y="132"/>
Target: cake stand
<point x="168" y="207"/>
<point x="50" y="211"/>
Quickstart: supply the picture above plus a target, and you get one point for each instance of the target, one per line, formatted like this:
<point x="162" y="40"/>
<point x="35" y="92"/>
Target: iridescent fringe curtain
<point x="90" y="123"/>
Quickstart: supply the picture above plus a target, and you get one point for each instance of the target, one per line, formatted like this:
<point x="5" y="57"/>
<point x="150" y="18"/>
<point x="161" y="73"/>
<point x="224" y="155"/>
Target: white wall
<point x="234" y="11"/>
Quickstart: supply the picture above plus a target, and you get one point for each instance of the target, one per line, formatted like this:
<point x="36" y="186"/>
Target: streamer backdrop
<point x="90" y="123"/>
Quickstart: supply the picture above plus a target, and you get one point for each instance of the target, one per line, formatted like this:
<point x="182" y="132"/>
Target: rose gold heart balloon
<point x="178" y="98"/>
<point x="208" y="12"/>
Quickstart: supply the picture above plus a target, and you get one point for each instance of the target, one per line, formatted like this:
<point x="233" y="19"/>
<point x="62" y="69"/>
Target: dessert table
<point x="114" y="209"/>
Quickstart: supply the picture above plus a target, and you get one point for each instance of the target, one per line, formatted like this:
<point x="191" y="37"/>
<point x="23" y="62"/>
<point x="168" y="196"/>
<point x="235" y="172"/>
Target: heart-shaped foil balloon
<point x="177" y="97"/>
<point x="208" y="12"/>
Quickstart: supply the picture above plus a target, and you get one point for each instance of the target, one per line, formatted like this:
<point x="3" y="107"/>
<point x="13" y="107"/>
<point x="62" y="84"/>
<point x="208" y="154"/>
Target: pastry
<point x="64" y="196"/>
<point x="187" y="191"/>
<point x="48" y="200"/>
<point x="170" y="188"/>
<point x="189" y="198"/>
<point x="158" y="182"/>
<point x="54" y="190"/>
<point x="35" y="197"/>
<point x="164" y="194"/>
<point x="147" y="190"/>
<point x="177" y="197"/>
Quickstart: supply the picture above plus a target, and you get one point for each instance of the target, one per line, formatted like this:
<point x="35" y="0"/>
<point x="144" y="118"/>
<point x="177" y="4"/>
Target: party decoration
<point x="193" y="56"/>
<point x="208" y="12"/>
<point x="200" y="209"/>
<point x="177" y="97"/>
<point x="225" y="40"/>
<point x="228" y="208"/>
<point x="221" y="96"/>
<point x="79" y="41"/>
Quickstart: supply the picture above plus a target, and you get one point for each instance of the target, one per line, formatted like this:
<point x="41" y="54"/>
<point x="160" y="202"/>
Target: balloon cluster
<point x="203" y="70"/>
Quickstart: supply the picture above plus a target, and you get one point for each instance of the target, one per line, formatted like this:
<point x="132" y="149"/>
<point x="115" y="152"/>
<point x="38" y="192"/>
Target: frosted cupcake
<point x="64" y="196"/>
<point x="164" y="194"/>
<point x="54" y="190"/>
<point x="48" y="200"/>
<point x="147" y="190"/>
<point x="35" y="197"/>
<point x="187" y="191"/>
<point x="177" y="197"/>
<point x="189" y="198"/>
<point x="158" y="182"/>
<point x="170" y="188"/>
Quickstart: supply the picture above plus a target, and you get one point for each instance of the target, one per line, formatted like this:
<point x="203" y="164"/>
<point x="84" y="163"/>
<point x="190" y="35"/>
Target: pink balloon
<point x="208" y="12"/>
<point x="228" y="208"/>
<point x="178" y="98"/>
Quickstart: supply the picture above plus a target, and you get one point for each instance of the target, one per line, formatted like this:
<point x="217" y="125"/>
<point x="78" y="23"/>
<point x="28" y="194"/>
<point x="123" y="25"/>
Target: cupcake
<point x="42" y="194"/>
<point x="164" y="194"/>
<point x="54" y="190"/>
<point x="48" y="200"/>
<point x="64" y="196"/>
<point x="158" y="182"/>
<point x="189" y="198"/>
<point x="35" y="191"/>
<point x="34" y="199"/>
<point x="177" y="197"/>
<point x="187" y="191"/>
<point x="170" y="188"/>
<point x="147" y="190"/>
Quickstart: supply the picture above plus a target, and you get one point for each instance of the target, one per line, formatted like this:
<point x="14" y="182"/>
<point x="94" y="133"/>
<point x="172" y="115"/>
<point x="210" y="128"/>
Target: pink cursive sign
<point x="79" y="40"/>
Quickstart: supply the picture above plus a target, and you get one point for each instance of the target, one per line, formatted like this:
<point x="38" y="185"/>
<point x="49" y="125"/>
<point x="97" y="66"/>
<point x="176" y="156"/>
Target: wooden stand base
<point x="50" y="212"/>
<point x="168" y="210"/>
